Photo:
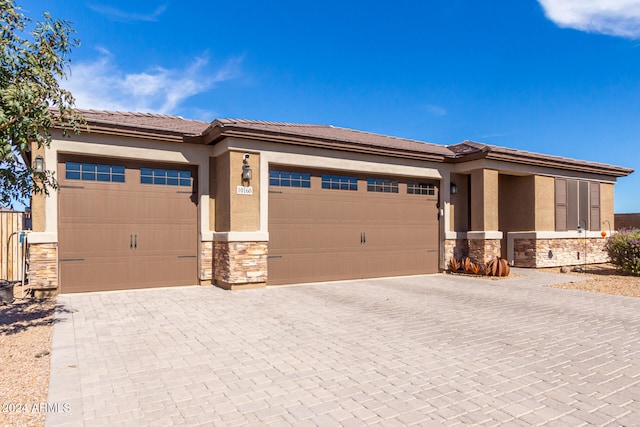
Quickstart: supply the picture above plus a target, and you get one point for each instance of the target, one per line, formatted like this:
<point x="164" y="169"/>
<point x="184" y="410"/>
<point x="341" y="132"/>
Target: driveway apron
<point x="436" y="349"/>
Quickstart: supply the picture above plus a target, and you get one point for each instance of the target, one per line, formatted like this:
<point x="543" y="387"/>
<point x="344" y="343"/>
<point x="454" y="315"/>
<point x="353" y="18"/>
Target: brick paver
<point x="404" y="351"/>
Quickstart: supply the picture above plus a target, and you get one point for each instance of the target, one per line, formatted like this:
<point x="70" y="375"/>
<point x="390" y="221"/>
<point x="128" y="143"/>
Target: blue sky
<point x="558" y="77"/>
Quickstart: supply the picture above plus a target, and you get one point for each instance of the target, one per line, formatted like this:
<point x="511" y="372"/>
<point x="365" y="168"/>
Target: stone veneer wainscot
<point x="240" y="265"/>
<point x="539" y="253"/>
<point x="43" y="268"/>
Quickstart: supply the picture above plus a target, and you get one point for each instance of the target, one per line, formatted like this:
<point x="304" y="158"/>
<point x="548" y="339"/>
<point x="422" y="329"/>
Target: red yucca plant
<point x="454" y="265"/>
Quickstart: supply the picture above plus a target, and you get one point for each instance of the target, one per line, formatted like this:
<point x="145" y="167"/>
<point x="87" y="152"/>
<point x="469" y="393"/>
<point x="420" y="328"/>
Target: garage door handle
<point x="130" y="241"/>
<point x="364" y="237"/>
<point x="135" y="242"/>
<point x="361" y="237"/>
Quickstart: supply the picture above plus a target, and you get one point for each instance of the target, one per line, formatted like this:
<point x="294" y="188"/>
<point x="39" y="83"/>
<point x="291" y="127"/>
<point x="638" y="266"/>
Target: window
<point x="94" y="172"/>
<point x="339" y="182"/>
<point x="289" y="179"/>
<point x="165" y="177"/>
<point x="421" y="188"/>
<point x="382" y="185"/>
<point x="577" y="204"/>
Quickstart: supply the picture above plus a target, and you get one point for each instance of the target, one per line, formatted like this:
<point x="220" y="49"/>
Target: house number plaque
<point x="245" y="190"/>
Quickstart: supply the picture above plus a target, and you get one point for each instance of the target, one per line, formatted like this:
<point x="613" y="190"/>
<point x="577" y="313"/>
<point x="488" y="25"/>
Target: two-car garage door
<point x="125" y="225"/>
<point x="331" y="226"/>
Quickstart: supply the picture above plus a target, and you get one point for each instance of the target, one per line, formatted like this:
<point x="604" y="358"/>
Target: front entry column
<point x="484" y="237"/>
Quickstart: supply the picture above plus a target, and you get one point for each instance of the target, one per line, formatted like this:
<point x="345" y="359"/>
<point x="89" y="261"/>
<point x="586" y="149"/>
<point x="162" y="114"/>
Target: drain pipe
<point x="24" y="261"/>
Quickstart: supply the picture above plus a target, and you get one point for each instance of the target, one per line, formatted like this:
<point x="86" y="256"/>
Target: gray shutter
<point x="583" y="205"/>
<point x="595" y="206"/>
<point x="572" y="204"/>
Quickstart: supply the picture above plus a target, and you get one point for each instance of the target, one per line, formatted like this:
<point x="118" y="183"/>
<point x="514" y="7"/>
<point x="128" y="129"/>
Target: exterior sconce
<point x="454" y="188"/>
<point x="38" y="164"/>
<point x="246" y="169"/>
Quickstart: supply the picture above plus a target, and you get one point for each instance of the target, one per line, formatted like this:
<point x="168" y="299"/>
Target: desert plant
<point x="475" y="268"/>
<point x="624" y="250"/>
<point x="498" y="267"/>
<point x="466" y="264"/>
<point x="454" y="265"/>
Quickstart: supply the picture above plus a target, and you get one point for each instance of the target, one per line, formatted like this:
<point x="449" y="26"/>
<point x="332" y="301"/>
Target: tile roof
<point x="146" y="121"/>
<point x="333" y="133"/>
<point x="471" y="148"/>
<point x="176" y="128"/>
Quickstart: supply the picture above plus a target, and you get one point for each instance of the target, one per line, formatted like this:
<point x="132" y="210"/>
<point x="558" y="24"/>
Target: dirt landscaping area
<point x="25" y="337"/>
<point x="604" y="278"/>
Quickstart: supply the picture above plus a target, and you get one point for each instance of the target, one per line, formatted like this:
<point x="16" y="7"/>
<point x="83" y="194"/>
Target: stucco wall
<point x="484" y="200"/>
<point x="222" y="202"/>
<point x="459" y="207"/>
<point x="244" y="208"/>
<point x="517" y="203"/>
<point x="606" y="207"/>
<point x="545" y="203"/>
<point x="38" y="213"/>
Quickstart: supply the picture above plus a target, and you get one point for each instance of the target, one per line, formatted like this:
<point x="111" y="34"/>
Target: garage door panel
<point x="94" y="240"/>
<point x="128" y="234"/>
<point x="163" y="270"/>
<point x="324" y="234"/>
<point x="300" y="267"/>
<point x="313" y="237"/>
<point x="85" y="275"/>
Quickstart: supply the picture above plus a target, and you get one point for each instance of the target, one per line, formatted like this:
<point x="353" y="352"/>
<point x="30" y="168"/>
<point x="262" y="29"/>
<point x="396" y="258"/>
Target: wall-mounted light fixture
<point x="454" y="188"/>
<point x="246" y="169"/>
<point x="38" y="164"/>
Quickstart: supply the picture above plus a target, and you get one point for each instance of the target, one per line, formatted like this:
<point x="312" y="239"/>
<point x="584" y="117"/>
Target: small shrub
<point x="454" y="265"/>
<point x="624" y="250"/>
<point x="467" y="265"/>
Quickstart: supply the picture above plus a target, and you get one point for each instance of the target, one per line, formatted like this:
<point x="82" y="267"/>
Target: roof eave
<point x="146" y="132"/>
<point x="220" y="131"/>
<point x="601" y="169"/>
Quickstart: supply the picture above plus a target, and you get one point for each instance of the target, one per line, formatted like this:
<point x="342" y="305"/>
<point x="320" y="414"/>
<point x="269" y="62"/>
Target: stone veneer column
<point x="206" y="263"/>
<point x="484" y="250"/>
<point x="479" y="246"/>
<point x="240" y="265"/>
<point x="43" y="268"/>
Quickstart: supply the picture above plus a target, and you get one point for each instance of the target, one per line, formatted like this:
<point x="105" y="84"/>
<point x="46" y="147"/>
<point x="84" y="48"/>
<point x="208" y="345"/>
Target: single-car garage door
<point x="334" y="226"/>
<point x="125" y="225"/>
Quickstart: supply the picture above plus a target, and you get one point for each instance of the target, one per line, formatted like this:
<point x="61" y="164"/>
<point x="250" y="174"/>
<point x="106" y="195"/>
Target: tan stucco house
<point x="150" y="200"/>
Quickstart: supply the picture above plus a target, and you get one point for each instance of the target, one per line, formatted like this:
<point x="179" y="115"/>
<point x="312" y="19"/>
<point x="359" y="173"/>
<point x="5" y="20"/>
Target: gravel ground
<point x="25" y="342"/>
<point x="605" y="279"/>
<point x="26" y="329"/>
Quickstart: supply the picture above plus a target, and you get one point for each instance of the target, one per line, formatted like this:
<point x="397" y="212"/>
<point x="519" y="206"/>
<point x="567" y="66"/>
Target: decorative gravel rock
<point x="25" y="343"/>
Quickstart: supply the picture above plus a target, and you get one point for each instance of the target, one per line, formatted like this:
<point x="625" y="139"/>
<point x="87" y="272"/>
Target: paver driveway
<point x="421" y="350"/>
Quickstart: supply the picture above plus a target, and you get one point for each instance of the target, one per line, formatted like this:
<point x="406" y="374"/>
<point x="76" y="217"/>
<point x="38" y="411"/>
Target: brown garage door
<point x="125" y="225"/>
<point x="332" y="226"/>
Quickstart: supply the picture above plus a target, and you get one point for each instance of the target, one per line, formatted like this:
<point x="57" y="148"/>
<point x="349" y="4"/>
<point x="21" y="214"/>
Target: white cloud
<point x="102" y="85"/>
<point x="121" y="15"/>
<point x="436" y="110"/>
<point x="612" y="17"/>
